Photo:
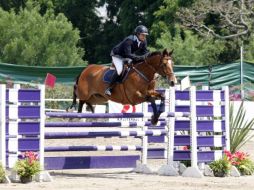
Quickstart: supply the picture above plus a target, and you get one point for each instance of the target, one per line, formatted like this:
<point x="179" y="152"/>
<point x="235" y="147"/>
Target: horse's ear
<point x="171" y="52"/>
<point x="165" y="52"/>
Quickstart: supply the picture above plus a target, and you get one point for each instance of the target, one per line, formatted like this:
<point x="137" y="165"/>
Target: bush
<point x="59" y="92"/>
<point x="36" y="39"/>
<point x="241" y="161"/>
<point x="2" y="173"/>
<point x="239" y="128"/>
<point x="220" y="167"/>
<point x="28" y="166"/>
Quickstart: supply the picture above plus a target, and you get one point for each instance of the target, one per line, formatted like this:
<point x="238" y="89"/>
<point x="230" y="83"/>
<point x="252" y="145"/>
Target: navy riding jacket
<point x="131" y="48"/>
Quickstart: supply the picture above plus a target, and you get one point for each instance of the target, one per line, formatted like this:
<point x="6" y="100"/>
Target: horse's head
<point x="164" y="66"/>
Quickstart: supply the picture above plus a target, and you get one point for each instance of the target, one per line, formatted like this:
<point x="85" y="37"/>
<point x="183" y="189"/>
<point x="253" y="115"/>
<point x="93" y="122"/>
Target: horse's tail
<point x="74" y="97"/>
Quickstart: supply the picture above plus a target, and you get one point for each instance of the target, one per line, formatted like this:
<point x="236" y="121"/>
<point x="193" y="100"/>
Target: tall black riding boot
<point x="114" y="78"/>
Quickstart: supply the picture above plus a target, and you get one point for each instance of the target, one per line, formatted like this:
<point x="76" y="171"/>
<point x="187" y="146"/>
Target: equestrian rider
<point x="132" y="48"/>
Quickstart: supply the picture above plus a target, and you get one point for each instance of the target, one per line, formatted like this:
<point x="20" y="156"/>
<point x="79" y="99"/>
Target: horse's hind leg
<point x="90" y="107"/>
<point x="74" y="102"/>
<point x="80" y="106"/>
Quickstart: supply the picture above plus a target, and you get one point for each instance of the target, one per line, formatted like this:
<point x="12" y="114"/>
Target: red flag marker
<point x="50" y="80"/>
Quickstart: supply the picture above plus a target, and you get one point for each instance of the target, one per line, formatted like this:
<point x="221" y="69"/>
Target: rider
<point x="133" y="47"/>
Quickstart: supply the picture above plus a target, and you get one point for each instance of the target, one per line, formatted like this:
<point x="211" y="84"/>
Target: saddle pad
<point x="108" y="75"/>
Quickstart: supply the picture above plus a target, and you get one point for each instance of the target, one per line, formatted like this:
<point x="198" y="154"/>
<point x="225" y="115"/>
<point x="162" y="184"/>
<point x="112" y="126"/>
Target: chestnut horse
<point x="138" y="87"/>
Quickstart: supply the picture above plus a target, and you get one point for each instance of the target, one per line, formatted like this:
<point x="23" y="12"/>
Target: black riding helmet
<point x="141" y="30"/>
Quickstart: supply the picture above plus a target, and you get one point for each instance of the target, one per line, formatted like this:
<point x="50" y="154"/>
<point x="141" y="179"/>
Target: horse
<point x="138" y="87"/>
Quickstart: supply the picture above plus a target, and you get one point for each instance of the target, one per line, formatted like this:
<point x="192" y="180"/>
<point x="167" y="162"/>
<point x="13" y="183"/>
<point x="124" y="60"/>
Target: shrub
<point x="239" y="128"/>
<point x="28" y="166"/>
<point x="2" y="173"/>
<point x="220" y="167"/>
<point x="241" y="161"/>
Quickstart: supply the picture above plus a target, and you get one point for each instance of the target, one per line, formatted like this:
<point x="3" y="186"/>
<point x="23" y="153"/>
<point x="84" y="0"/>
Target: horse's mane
<point x="151" y="54"/>
<point x="154" y="53"/>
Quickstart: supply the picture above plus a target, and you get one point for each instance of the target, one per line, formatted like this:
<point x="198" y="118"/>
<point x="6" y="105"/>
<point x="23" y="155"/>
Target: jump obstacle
<point x="204" y="113"/>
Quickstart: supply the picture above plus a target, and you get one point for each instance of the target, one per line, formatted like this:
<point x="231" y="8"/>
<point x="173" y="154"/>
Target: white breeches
<point x="118" y="62"/>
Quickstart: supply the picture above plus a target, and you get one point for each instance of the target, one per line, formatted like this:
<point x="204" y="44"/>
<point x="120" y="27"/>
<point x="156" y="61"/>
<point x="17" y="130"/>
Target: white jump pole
<point x="42" y="124"/>
<point x="43" y="175"/>
<point x="193" y="171"/>
<point x="142" y="167"/>
<point x="227" y="127"/>
<point x="169" y="169"/>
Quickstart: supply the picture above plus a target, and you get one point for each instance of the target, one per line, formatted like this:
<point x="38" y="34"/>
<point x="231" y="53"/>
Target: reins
<point x="151" y="67"/>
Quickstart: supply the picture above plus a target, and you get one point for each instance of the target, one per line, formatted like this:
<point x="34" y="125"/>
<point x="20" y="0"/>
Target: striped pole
<point x="93" y="148"/>
<point x="2" y="125"/>
<point x="104" y="124"/>
<point x="115" y="115"/>
<point x="137" y="133"/>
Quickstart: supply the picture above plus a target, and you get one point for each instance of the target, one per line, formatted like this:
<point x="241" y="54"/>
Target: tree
<point x="249" y="48"/>
<point x="166" y="16"/>
<point x="83" y="15"/>
<point x="12" y="4"/>
<point x="122" y="18"/>
<point x="174" y="12"/>
<point x="35" y="39"/>
<point x="190" y="49"/>
<point x="222" y="19"/>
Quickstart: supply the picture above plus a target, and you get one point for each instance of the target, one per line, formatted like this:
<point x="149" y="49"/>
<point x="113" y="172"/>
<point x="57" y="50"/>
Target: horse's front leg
<point x="154" y="118"/>
<point x="160" y="97"/>
<point x="156" y="113"/>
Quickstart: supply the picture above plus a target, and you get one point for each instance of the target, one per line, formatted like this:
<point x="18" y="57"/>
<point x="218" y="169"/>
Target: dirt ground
<point x="124" y="179"/>
<point x="115" y="179"/>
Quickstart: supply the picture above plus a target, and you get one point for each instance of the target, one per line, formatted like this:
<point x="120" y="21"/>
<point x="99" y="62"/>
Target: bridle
<point x="161" y="64"/>
<point x="167" y="58"/>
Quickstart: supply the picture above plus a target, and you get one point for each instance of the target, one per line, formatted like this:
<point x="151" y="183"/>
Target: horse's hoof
<point x="70" y="109"/>
<point x="154" y="120"/>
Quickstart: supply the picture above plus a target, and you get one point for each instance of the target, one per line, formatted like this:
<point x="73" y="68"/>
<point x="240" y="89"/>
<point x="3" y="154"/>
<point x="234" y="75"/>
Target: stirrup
<point x="108" y="91"/>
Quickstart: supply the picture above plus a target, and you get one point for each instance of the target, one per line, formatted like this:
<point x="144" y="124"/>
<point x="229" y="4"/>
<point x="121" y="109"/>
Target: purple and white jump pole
<point x="2" y="125"/>
<point x="178" y="117"/>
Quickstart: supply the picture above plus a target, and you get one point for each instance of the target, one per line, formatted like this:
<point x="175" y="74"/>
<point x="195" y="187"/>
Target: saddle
<point x="107" y="77"/>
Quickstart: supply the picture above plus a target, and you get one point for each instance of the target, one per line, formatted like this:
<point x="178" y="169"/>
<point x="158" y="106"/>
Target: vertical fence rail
<point x="42" y="125"/>
<point x="227" y="126"/>
<point x="2" y="124"/>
